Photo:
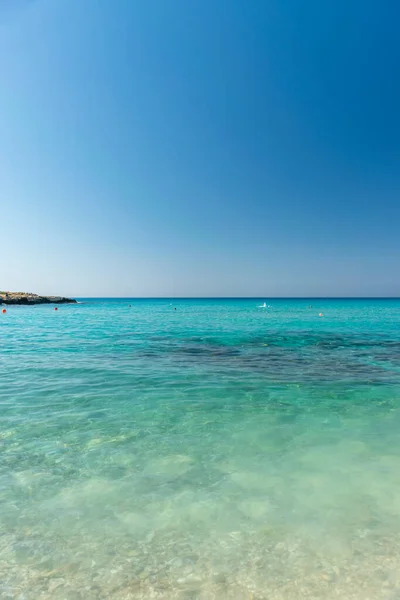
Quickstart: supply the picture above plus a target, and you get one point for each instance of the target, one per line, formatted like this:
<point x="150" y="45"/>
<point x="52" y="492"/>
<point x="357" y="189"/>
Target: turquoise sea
<point x="219" y="450"/>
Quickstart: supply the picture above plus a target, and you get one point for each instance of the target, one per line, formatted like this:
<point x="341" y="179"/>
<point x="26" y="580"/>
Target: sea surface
<point x="222" y="450"/>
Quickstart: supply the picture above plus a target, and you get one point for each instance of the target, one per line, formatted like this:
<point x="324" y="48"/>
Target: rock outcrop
<point x="28" y="299"/>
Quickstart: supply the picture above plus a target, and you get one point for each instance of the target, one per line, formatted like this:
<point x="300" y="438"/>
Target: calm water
<point x="221" y="450"/>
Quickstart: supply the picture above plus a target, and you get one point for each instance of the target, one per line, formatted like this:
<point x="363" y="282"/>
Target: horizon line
<point x="238" y="297"/>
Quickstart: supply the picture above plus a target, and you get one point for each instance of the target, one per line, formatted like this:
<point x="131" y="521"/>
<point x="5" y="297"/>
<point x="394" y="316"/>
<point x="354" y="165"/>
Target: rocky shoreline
<point x="27" y="299"/>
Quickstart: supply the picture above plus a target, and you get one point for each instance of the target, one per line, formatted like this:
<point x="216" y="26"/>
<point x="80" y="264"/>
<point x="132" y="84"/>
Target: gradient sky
<point x="200" y="148"/>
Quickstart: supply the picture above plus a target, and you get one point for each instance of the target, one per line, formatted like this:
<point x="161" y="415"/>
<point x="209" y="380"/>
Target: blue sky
<point x="202" y="148"/>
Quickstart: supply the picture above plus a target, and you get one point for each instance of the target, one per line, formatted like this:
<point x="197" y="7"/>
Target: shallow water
<point x="221" y="450"/>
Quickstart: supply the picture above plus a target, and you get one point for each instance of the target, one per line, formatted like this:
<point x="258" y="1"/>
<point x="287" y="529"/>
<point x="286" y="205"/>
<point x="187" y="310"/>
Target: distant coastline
<point x="28" y="299"/>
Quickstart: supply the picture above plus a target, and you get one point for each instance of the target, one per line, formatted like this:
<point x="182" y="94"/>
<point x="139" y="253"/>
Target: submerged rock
<point x="28" y="299"/>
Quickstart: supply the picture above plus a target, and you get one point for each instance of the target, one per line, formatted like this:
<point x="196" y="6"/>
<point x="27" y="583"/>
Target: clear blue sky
<point x="200" y="148"/>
